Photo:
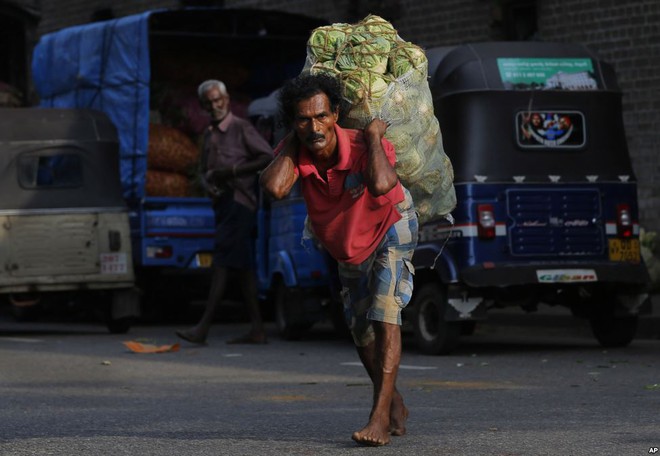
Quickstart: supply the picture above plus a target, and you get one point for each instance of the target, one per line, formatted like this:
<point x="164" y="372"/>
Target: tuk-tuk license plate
<point x="204" y="260"/>
<point x="624" y="250"/>
<point x="114" y="263"/>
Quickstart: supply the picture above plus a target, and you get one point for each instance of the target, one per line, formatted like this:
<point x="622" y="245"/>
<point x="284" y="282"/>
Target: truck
<point x="142" y="71"/>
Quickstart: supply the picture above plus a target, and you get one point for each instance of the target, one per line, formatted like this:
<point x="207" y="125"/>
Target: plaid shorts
<point x="381" y="286"/>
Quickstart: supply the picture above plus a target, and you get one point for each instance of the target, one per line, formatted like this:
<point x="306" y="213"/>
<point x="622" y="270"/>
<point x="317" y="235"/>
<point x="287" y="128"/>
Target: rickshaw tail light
<point x="623" y="221"/>
<point x="486" y="226"/>
<point x="159" y="251"/>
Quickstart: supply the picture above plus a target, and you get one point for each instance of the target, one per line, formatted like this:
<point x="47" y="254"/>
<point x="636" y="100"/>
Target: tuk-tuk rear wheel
<point x="613" y="331"/>
<point x="289" y="313"/>
<point x="433" y="334"/>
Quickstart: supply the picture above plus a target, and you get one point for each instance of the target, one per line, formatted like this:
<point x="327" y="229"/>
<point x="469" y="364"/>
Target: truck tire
<point x="434" y="335"/>
<point x="613" y="331"/>
<point x="290" y="312"/>
<point x="124" y="310"/>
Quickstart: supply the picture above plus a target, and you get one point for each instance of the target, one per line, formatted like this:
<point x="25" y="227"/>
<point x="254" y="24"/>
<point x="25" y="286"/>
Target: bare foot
<point x="398" y="416"/>
<point x="376" y="433"/>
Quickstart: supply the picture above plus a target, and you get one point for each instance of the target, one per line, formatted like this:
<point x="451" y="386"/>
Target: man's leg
<point x="257" y="334"/>
<point x="198" y="333"/>
<point x="398" y="410"/>
<point x="381" y="359"/>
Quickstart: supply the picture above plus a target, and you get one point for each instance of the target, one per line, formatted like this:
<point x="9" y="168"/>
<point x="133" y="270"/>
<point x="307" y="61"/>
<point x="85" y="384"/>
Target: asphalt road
<point x="543" y="388"/>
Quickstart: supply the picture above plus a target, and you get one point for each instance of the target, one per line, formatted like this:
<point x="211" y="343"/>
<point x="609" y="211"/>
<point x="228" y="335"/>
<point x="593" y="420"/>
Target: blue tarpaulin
<point x="104" y="66"/>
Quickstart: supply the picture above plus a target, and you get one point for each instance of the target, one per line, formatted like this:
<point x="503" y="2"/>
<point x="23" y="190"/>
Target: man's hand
<point x="375" y="129"/>
<point x="219" y="176"/>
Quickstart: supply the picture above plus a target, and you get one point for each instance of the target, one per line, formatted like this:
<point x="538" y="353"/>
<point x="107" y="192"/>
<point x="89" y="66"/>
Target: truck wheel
<point x="611" y="331"/>
<point x="120" y="325"/>
<point x="433" y="334"/>
<point x="25" y="306"/>
<point x="290" y="313"/>
<point x="339" y="320"/>
<point x="123" y="311"/>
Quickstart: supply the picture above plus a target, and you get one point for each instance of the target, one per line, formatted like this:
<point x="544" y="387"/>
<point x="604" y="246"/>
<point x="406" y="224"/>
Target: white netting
<point x="385" y="77"/>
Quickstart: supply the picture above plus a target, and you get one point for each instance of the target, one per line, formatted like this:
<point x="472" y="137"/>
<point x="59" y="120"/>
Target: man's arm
<point x="278" y="178"/>
<point x="380" y="175"/>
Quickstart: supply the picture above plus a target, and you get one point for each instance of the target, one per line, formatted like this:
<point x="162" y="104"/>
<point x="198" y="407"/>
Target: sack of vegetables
<point x="386" y="77"/>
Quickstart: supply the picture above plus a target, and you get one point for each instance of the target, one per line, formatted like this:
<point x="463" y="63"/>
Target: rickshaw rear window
<point x="550" y="129"/>
<point x="50" y="171"/>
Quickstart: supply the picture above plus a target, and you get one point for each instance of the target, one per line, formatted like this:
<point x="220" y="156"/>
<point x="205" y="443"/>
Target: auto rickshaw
<point x="547" y="199"/>
<point x="64" y="230"/>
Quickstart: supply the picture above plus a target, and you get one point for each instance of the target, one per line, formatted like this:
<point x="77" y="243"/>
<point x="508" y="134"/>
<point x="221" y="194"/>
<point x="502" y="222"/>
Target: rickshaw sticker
<point x="547" y="74"/>
<point x="114" y="263"/>
<point x="566" y="275"/>
<point x="550" y="129"/>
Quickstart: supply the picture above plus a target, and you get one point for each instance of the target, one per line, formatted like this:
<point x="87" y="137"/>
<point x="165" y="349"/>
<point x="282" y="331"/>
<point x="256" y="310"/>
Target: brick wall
<point x="625" y="34"/>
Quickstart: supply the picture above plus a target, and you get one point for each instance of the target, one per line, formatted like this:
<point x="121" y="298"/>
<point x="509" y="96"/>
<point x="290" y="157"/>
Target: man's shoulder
<point x="354" y="136"/>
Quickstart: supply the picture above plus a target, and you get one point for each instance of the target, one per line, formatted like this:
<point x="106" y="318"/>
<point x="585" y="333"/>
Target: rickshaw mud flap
<point x="503" y="275"/>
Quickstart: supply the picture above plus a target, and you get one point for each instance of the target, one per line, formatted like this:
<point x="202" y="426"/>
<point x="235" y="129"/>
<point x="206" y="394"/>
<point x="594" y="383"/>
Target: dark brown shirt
<point x="234" y="142"/>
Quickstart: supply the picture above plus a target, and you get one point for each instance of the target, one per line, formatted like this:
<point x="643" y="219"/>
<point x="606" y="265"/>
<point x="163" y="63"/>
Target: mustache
<point x="315" y="136"/>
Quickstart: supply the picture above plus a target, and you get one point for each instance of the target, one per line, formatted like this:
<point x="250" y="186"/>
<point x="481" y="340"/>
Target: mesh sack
<point x="385" y="77"/>
<point x="170" y="149"/>
<point x="166" y="183"/>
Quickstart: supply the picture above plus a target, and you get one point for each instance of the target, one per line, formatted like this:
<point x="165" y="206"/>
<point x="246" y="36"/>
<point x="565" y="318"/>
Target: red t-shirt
<point x="345" y="217"/>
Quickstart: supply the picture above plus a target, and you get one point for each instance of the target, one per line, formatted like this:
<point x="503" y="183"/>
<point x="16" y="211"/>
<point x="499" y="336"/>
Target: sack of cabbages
<point x="385" y="77"/>
<point x="166" y="183"/>
<point x="650" y="250"/>
<point x="170" y="149"/>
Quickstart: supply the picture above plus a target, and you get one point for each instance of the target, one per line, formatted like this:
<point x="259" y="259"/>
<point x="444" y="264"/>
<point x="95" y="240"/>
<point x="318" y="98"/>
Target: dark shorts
<point x="234" y="234"/>
<point x="380" y="287"/>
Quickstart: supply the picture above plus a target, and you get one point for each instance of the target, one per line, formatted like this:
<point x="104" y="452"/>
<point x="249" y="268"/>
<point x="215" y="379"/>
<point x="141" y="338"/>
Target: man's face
<point x="314" y="124"/>
<point x="215" y="103"/>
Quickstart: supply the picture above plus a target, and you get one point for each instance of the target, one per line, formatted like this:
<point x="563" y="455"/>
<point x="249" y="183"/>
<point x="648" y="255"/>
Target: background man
<point x="364" y="218"/>
<point x="233" y="152"/>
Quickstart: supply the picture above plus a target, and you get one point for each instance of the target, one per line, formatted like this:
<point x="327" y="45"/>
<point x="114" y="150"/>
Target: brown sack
<point x="170" y="149"/>
<point x="165" y="183"/>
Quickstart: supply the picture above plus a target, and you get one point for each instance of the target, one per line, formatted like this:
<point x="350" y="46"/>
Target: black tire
<point x="289" y="313"/>
<point x="468" y="327"/>
<point x="611" y="331"/>
<point x="123" y="309"/>
<point x="433" y="334"/>
<point x="120" y="325"/>
<point x="339" y="320"/>
<point x="25" y="307"/>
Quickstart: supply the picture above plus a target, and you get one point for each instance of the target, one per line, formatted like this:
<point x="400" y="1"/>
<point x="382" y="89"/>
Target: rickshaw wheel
<point x="611" y="331"/>
<point x="290" y="313"/>
<point x="120" y="325"/>
<point x="433" y="334"/>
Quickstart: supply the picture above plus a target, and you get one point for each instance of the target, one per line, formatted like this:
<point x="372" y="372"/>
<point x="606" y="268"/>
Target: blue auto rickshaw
<point x="547" y="199"/>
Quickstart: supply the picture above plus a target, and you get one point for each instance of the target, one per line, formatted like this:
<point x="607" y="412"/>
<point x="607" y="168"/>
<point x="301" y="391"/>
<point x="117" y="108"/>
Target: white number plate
<point x="114" y="263"/>
<point x="566" y="275"/>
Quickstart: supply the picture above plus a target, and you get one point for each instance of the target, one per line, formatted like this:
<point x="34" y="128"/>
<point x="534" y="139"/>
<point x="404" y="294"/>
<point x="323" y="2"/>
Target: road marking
<point x="22" y="339"/>
<point x="402" y="366"/>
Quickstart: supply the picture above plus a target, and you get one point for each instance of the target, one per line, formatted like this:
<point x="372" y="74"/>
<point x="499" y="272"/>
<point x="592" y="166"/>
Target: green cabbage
<point x="362" y="85"/>
<point x="376" y="25"/>
<point x="324" y="41"/>
<point x="404" y="58"/>
<point x="372" y="54"/>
